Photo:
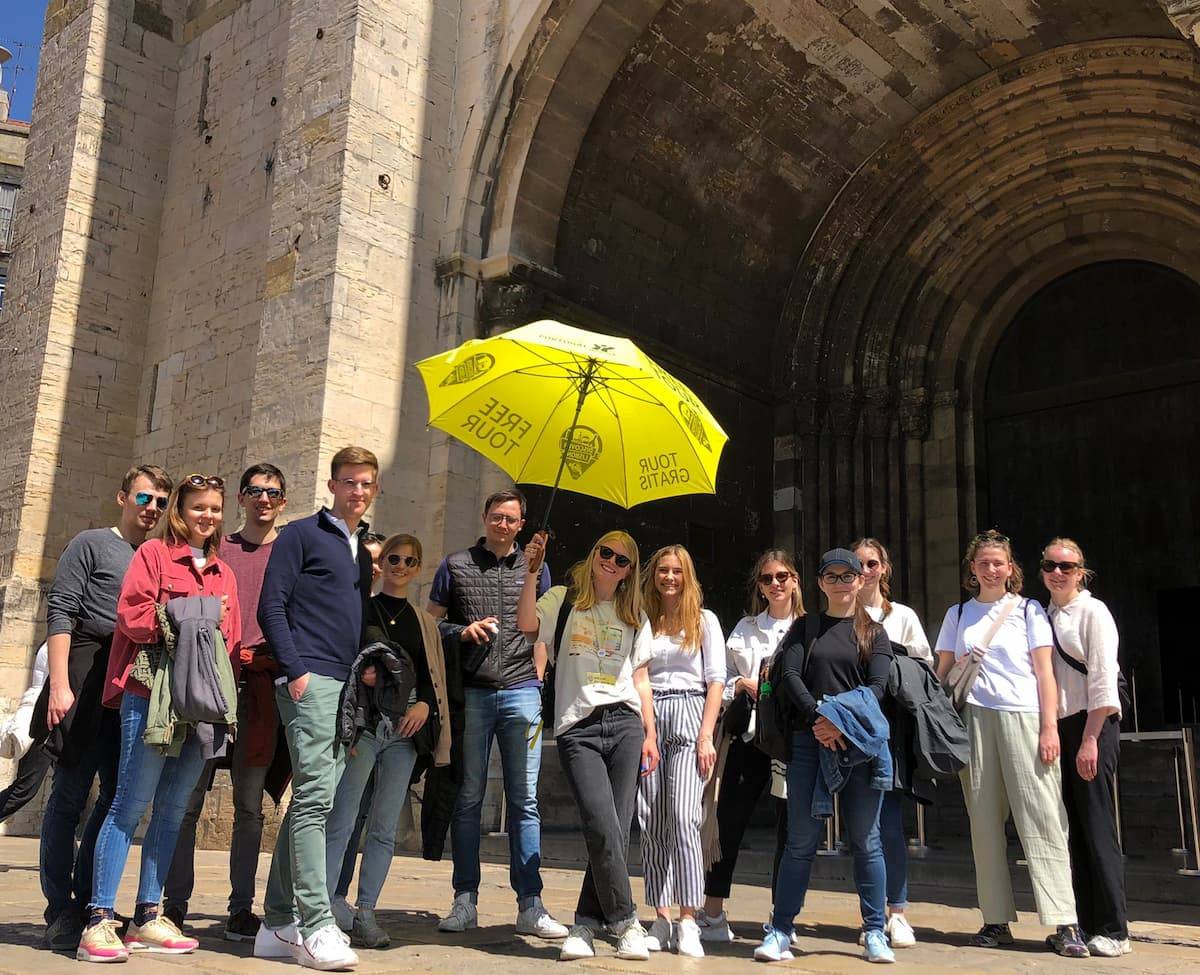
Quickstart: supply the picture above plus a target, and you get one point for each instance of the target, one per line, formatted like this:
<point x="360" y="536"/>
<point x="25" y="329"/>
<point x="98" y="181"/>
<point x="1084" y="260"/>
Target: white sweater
<point x="902" y="626"/>
<point x="1086" y="631"/>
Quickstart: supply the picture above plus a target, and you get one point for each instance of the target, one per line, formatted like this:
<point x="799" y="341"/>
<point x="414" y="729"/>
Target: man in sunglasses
<point x="83" y="736"/>
<point x="262" y="496"/>
<point x="479" y="588"/>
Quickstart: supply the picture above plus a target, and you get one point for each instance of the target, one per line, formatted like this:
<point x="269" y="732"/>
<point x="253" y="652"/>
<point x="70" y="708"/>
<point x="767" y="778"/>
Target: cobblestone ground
<point x="1167" y="939"/>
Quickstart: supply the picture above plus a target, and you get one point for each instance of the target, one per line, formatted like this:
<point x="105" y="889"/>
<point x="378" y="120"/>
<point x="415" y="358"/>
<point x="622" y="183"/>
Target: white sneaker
<point x="658" y="938"/>
<point x="463" y="915"/>
<point x="578" y="944"/>
<point x="276" y="942"/>
<point x="1107" y="947"/>
<point x="631" y="944"/>
<point x="714" y="927"/>
<point x="687" y="939"/>
<point x="343" y="913"/>
<point x="536" y="920"/>
<point x="899" y="931"/>
<point x="325" y="951"/>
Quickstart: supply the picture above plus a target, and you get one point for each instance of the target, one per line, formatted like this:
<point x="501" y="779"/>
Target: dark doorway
<point x="1092" y="430"/>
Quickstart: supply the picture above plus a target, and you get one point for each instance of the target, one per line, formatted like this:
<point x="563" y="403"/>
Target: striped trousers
<point x="669" y="801"/>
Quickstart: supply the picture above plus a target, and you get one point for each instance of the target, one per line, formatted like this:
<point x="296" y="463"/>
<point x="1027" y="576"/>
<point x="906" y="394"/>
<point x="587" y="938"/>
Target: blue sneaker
<point x="776" y="946"/>
<point x="876" y="948"/>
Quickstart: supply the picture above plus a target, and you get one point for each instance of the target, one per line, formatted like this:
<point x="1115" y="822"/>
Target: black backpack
<point x="772" y="716"/>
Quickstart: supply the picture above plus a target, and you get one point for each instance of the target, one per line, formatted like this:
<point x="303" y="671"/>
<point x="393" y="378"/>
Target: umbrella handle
<point x="589" y="373"/>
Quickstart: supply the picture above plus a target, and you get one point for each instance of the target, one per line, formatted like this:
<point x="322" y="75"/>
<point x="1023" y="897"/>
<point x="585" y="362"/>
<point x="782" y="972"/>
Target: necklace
<point x="404" y="604"/>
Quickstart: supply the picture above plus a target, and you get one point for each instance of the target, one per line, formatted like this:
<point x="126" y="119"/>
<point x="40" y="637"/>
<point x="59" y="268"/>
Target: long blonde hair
<point x="173" y="528"/>
<point x="691" y="598"/>
<point x="885" y="569"/>
<point x="758" y="602"/>
<point x="627" y="600"/>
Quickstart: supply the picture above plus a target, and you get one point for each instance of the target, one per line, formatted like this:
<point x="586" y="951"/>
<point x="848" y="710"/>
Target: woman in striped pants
<point x="687" y="678"/>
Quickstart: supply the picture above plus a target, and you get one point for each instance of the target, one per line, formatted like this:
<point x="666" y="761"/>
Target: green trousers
<point x="1006" y="775"/>
<point x="297" y="886"/>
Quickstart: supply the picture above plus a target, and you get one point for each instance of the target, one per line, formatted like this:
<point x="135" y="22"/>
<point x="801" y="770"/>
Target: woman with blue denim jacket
<point x="850" y="651"/>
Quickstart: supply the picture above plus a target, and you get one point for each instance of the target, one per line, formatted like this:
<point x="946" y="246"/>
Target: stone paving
<point x="1168" y="939"/>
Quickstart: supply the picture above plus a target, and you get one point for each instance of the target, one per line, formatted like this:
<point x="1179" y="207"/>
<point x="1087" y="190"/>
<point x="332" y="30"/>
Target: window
<point x="8" y="206"/>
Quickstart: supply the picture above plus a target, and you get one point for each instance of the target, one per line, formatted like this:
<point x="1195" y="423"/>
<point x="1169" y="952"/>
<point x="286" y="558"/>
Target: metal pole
<point x="1133" y="694"/>
<point x="589" y="373"/>
<point x="916" y="845"/>
<point x="1189" y="761"/>
<point x="1181" y="849"/>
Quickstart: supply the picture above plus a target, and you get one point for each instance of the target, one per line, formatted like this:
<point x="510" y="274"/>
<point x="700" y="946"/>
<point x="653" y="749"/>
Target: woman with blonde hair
<point x="687" y="681"/>
<point x="903" y="627"/>
<point x="181" y="560"/>
<point x="1011" y="717"/>
<point x="775" y="602"/>
<point x="601" y="643"/>
<point x="1088" y="675"/>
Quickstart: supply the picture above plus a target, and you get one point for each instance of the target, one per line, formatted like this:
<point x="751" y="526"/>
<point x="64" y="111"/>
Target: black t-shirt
<point x="391" y="619"/>
<point x="833" y="666"/>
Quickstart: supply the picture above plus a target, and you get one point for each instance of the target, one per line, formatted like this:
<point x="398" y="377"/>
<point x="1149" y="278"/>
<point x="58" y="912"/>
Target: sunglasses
<point x="872" y="564"/>
<point x="257" y="491"/>
<point x="201" y="480"/>
<point x="372" y="537"/>
<point x="766" y="578"/>
<point x="411" y="561"/>
<point x="623" y="561"/>
<point x="991" y="537"/>
<point x="143" y="498"/>
<point x="833" y="578"/>
<point x="1049" y="565"/>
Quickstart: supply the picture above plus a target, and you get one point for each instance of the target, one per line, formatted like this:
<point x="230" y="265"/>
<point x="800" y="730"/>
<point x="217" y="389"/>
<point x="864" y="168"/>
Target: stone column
<point x="914" y="428"/>
<point x="845" y="405"/>
<point x="75" y="314"/>
<point x="879" y="415"/>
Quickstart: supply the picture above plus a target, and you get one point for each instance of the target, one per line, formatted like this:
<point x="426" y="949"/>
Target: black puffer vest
<point x="481" y="585"/>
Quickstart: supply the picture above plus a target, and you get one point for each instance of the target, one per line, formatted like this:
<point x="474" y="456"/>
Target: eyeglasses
<point x="872" y="564"/>
<point x="499" y="519"/>
<point x="623" y="561"/>
<point x="766" y="578"/>
<point x="833" y="578"/>
<point x="205" y="480"/>
<point x="257" y="491"/>
<point x="411" y="561"/>
<point x="143" y="498"/>
<point x="350" y="484"/>
<point x="1049" y="565"/>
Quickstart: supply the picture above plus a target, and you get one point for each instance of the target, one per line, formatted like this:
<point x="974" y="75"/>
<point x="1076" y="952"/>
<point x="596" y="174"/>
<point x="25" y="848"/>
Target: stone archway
<point x="1084" y="153"/>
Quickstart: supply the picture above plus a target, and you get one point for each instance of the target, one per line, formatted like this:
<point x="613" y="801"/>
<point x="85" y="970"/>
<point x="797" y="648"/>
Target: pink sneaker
<point x="100" y="943"/>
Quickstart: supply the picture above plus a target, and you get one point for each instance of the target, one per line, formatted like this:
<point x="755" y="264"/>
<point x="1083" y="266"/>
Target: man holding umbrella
<point x="479" y="588"/>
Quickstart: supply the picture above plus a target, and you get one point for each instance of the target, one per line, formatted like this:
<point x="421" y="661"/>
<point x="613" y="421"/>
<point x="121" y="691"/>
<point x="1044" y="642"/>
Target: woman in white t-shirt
<point x="604" y="722"/>
<point x="687" y="679"/>
<point x="775" y="603"/>
<point x="1089" y="727"/>
<point x="902" y="626"/>
<point x="1011" y="717"/>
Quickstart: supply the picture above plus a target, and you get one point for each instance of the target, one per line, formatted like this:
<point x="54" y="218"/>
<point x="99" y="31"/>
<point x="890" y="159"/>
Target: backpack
<point x="560" y="627"/>
<point x="772" y="716"/>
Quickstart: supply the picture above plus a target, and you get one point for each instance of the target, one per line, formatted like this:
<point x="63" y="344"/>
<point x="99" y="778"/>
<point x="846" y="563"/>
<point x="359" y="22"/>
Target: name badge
<point x="608" y="680"/>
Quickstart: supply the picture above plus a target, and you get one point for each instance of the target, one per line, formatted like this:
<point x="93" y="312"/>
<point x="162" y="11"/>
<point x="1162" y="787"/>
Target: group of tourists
<point x="299" y="654"/>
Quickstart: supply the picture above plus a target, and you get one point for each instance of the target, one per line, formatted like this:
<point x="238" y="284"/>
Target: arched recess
<point x="1083" y="153"/>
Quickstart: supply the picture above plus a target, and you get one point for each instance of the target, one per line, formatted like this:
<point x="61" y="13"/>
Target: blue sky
<point x="21" y="22"/>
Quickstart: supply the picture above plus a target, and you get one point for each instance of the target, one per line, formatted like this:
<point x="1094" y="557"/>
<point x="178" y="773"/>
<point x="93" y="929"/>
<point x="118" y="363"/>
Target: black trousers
<point x="747" y="776"/>
<point x="31" y="770"/>
<point x="1097" y="866"/>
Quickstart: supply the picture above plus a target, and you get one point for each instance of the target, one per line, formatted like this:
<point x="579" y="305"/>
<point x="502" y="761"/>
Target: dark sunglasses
<point x="766" y="578"/>
<point x="143" y="498"/>
<point x="1049" y="565"/>
<point x="409" y="560"/>
<point x="872" y="564"/>
<point x="623" y="561"/>
<point x="257" y="491"/>
<point x="201" y="480"/>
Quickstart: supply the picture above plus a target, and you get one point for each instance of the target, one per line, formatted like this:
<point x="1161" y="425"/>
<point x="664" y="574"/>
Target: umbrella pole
<point x="588" y="374"/>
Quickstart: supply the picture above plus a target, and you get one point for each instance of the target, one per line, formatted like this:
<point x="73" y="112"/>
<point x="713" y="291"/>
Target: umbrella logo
<point x="581" y="446"/>
<point x="470" y="369"/>
<point x="694" y="424"/>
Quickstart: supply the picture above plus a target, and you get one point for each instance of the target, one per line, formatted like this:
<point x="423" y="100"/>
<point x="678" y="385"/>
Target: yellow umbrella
<point x="548" y="400"/>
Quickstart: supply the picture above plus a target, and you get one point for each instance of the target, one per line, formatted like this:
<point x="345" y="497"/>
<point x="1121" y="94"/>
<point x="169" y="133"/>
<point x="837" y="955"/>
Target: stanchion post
<point x="1189" y="771"/>
<point x="1181" y="850"/>
<point x="916" y="845"/>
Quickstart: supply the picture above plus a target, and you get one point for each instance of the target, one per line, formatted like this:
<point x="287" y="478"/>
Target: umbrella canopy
<point x="548" y="402"/>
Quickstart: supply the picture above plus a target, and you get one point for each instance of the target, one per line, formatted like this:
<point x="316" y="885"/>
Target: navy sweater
<point x="313" y="594"/>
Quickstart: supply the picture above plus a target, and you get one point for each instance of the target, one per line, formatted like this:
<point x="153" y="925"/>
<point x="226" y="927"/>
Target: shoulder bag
<point x="961" y="678"/>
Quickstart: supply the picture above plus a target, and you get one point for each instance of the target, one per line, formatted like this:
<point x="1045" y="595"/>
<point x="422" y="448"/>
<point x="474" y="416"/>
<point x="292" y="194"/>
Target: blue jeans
<point x="895" y="848"/>
<point x="66" y="875"/>
<point x="393" y="760"/>
<point x="513" y="718"/>
<point x="860" y="811"/>
<point x="144" y="775"/>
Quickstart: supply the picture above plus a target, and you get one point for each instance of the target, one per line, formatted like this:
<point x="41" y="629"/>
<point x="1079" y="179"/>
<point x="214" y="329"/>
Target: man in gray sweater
<point x="84" y="736"/>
